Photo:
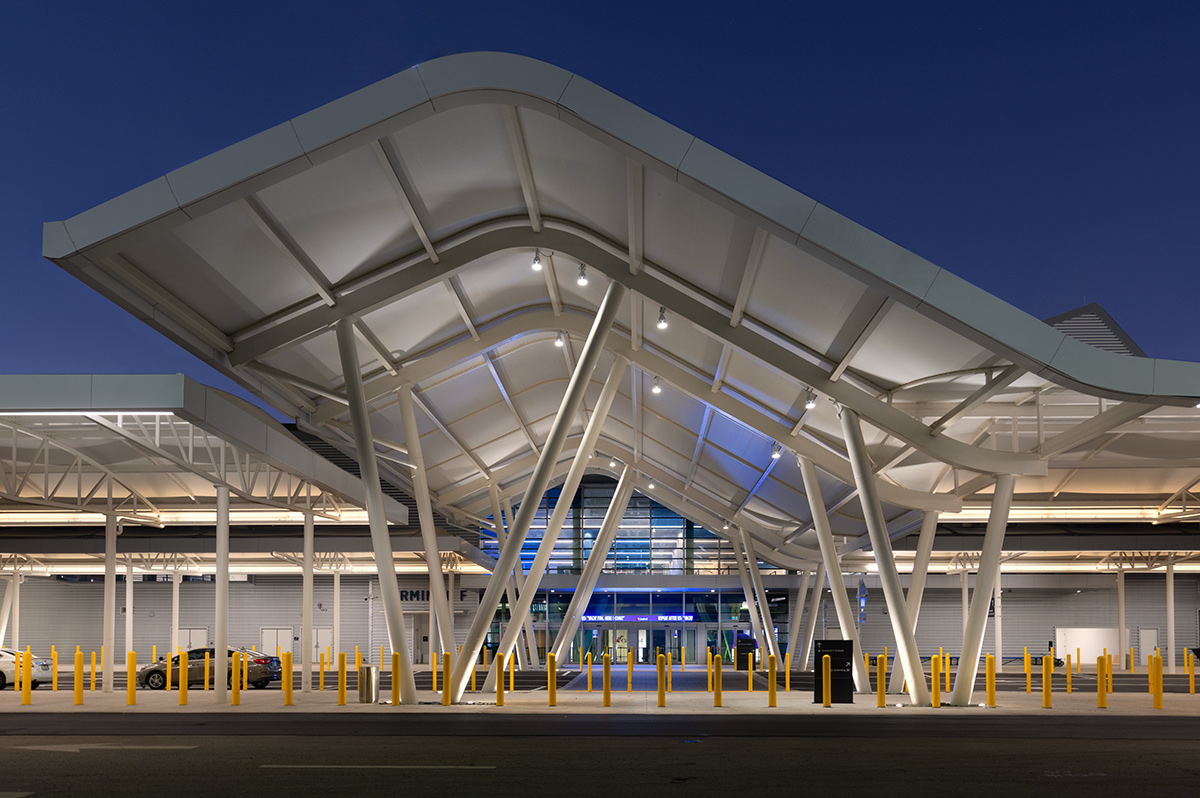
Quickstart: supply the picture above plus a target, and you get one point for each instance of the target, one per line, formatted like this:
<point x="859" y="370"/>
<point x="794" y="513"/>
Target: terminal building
<point x="562" y="378"/>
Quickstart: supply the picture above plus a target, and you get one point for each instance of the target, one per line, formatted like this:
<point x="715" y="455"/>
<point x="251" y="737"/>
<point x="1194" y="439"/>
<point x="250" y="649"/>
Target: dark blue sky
<point x="1046" y="152"/>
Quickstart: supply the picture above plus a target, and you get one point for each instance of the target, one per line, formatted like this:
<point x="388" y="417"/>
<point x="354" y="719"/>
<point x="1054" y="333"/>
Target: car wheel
<point x="261" y="684"/>
<point x="156" y="680"/>
<point x="3" y="680"/>
<point x="34" y="685"/>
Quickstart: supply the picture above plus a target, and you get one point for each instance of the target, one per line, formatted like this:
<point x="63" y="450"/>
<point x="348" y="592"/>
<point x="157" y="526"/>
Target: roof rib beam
<point x="634" y="201"/>
<point x="460" y="303"/>
<point x="402" y="185"/>
<point x="753" y="260"/>
<point x="990" y="388"/>
<point x="861" y="338"/>
<point x="491" y="367"/>
<point x="520" y="150"/>
<point x="437" y="422"/>
<point x="288" y="247"/>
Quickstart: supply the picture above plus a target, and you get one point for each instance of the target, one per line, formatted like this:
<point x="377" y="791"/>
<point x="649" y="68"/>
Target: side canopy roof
<point x="416" y="206"/>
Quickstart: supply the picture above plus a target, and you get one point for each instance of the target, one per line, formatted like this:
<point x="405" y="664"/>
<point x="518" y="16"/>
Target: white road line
<point x="384" y="767"/>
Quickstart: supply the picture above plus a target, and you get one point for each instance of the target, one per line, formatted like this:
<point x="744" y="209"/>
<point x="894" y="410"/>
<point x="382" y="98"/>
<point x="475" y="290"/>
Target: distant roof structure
<point x="1092" y="325"/>
<point x="414" y="208"/>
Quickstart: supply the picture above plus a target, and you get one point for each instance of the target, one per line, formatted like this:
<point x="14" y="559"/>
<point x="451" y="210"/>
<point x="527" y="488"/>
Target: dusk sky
<point x="1046" y="152"/>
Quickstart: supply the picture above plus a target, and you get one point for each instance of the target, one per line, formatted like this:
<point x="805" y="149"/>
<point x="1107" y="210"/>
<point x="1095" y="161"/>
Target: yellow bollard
<point x="101" y="660"/>
<point x="1068" y="674"/>
<point x="670" y="671"/>
<point x="130" y="678"/>
<point x="1192" y="675"/>
<point x="1132" y="661"/>
<point x="552" y="683"/>
<point x="771" y="675"/>
<point x="25" y="668"/>
<point x="169" y="670"/>
<point x="499" y="680"/>
<point x="629" y="675"/>
<point x="990" y="670"/>
<point x="1101" y="692"/>
<point x="682" y="659"/>
<point x="93" y="687"/>
<point x="433" y="671"/>
<point x="826" y="678"/>
<point x="1079" y="660"/>
<point x="1158" y="686"/>
<point x="54" y="677"/>
<point x="246" y="671"/>
<point x="717" y="680"/>
<point x="709" y="657"/>
<point x="1028" y="672"/>
<point x="183" y="678"/>
<point x="153" y="653"/>
<point x="287" y="678"/>
<point x="750" y="673"/>
<point x="207" y="665"/>
<point x="607" y="681"/>
<point x="662" y="680"/>
<point x="78" y="682"/>
<point x="396" y="679"/>
<point x="235" y="679"/>
<point x="341" y="679"/>
<point x="880" y="680"/>
<point x="589" y="671"/>
<point x="446" y="662"/>
<point x="512" y="672"/>
<point x="867" y="665"/>
<point x="1047" y="678"/>
<point x="1108" y="679"/>
<point x="787" y="673"/>
<point x="358" y="661"/>
<point x="321" y="671"/>
<point x="936" y="681"/>
<point x="382" y="660"/>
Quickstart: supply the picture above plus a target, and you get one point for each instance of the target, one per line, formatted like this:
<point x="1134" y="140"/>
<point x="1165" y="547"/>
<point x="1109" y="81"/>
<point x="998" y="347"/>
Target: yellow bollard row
<point x="607" y="680"/>
<point x="716" y="680"/>
<point x="552" y="683"/>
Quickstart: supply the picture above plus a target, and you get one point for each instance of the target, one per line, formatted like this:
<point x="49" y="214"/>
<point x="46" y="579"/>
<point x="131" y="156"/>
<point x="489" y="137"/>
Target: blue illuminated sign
<point x="636" y="618"/>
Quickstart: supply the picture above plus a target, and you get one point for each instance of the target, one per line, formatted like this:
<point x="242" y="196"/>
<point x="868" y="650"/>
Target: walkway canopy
<point x="420" y="207"/>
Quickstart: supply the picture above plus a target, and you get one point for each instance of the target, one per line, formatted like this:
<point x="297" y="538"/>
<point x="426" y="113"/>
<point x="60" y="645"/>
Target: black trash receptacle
<point x="745" y="648"/>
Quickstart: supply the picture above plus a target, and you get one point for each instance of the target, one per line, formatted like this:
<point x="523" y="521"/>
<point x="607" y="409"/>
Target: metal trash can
<point x="368" y="684"/>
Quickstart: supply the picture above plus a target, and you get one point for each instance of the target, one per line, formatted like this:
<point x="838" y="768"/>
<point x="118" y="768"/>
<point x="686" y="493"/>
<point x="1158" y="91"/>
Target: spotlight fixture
<point x="537" y="261"/>
<point x="810" y="399"/>
<point x="662" y="317"/>
<point x="582" y="275"/>
<point x="657" y="387"/>
<point x="651" y="486"/>
<point x="612" y="462"/>
<point x="778" y="450"/>
<point x="560" y="341"/>
<point x="725" y="526"/>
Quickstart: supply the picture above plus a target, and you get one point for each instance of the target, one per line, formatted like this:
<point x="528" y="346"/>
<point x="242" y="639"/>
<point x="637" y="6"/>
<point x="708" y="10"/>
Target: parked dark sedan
<point x="263" y="669"/>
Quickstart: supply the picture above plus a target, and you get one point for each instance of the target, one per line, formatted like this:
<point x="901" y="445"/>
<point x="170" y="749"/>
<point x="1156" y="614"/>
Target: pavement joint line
<point x="380" y="767"/>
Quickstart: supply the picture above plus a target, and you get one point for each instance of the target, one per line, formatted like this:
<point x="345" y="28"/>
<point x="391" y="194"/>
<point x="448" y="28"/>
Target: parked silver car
<point x="263" y="669"/>
<point x="42" y="672"/>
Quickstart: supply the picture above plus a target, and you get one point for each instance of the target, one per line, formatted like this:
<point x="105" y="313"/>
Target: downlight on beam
<point x="657" y="386"/>
<point x="662" y="317"/>
<point x="537" y="261"/>
<point x="582" y="275"/>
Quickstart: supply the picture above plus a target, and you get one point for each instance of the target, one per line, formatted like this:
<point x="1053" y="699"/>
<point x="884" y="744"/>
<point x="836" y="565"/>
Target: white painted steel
<point x="916" y="588"/>
<point x="760" y="593"/>
<point x="221" y="614"/>
<point x="337" y="618"/>
<point x="739" y="556"/>
<point x="433" y="558"/>
<point x="538" y="482"/>
<point x="128" y="606"/>
<point x="985" y="580"/>
<point x="795" y="638"/>
<point x="1122" y="636"/>
<point x="837" y="587"/>
<point x="595" y="563"/>
<point x="1170" y="658"/>
<point x="966" y="599"/>
<point x="176" y="581"/>
<point x="997" y="622"/>
<point x="376" y="516"/>
<point x="6" y="608"/>
<point x="810" y="625"/>
<point x="110" y="601"/>
<point x="306" y="607"/>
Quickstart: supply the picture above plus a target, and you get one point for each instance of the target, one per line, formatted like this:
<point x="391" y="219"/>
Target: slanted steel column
<point x="128" y="606"/>
<point x="1122" y="636"/>
<point x="376" y="515"/>
<point x="966" y="598"/>
<point x="985" y="581"/>
<point x="566" y="496"/>
<point x="221" y="584"/>
<point x="433" y="558"/>
<point x="510" y="580"/>
<point x="538" y="482"/>
<point x="6" y="608"/>
<point x="916" y="588"/>
<point x="16" y="610"/>
<point x="998" y="625"/>
<point x="306" y="608"/>
<point x="760" y="592"/>
<point x="176" y="580"/>
<point x="595" y="562"/>
<point x="1170" y="616"/>
<point x="528" y="640"/>
<point x="748" y="592"/>
<point x="881" y="544"/>
<point x="794" y="635"/>
<point x="837" y="587"/>
<point x="109" y="633"/>
<point x="337" y="624"/>
<point x="810" y="626"/>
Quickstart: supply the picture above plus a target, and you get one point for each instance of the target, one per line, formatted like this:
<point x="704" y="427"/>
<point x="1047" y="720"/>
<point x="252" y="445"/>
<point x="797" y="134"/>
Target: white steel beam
<point x="460" y="302"/>
<point x="1099" y="424"/>
<point x="402" y="184"/>
<point x="437" y="422"/>
<point x="109" y="632"/>
<point x="761" y="594"/>
<point x="634" y="203"/>
<point x="916" y="587"/>
<point x="491" y="367"/>
<point x="306" y="607"/>
<point x="989" y="389"/>
<point x="739" y="556"/>
<point x="861" y="338"/>
<point x="520" y="151"/>
<point x="291" y="250"/>
<point x="753" y="261"/>
<point x="221" y="603"/>
<point x="1170" y="658"/>
<point x="810" y="624"/>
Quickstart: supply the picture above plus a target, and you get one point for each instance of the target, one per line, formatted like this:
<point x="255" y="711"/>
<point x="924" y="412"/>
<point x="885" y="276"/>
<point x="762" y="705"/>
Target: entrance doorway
<point x="322" y="643"/>
<point x="193" y="638"/>
<point x="276" y="640"/>
<point x="1147" y="643"/>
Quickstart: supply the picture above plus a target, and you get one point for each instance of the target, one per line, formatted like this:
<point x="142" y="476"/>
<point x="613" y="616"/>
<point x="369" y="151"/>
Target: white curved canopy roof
<point x="415" y="205"/>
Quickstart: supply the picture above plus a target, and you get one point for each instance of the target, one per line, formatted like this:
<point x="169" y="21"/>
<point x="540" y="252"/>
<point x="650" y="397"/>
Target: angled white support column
<point x="109" y="633"/>
<point x="6" y="608"/>
<point x="916" y="588"/>
<point x="526" y="645"/>
<point x="748" y="591"/>
<point x="595" y="563"/>
<point x="1122" y="636"/>
<point x="538" y="482"/>
<point x="221" y="585"/>
<point x="795" y="635"/>
<point x="337" y="624"/>
<point x="966" y="599"/>
<point x="833" y="568"/>
<point x="376" y="516"/>
<point x="1170" y="658"/>
<point x="176" y="580"/>
<point x="433" y="558"/>
<point x="16" y="610"/>
<point x="760" y="592"/>
<point x="306" y="608"/>
<point x="985" y="581"/>
<point x="998" y="624"/>
<point x="881" y="544"/>
<point x="128" y="606"/>
<point x="510" y="580"/>
<point x="810" y="625"/>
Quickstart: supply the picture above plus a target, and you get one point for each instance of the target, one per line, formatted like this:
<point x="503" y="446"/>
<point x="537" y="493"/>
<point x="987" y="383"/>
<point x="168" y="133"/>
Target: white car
<point x="8" y="670"/>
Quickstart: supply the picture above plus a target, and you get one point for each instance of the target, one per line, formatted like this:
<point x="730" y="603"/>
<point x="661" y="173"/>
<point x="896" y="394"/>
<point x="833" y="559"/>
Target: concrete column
<point x="594" y="565"/>
<point x="433" y="558"/>
<point x="916" y="588"/>
<point x="1122" y="635"/>
<point x="538" y="482"/>
<point x="795" y="637"/>
<point x="128" y="607"/>
<point x="109" y="632"/>
<point x="810" y="626"/>
<point x="760" y="592"/>
<point x="337" y="621"/>
<point x="381" y="541"/>
<point x="221" y="582"/>
<point x="881" y="544"/>
<point x="985" y="581"/>
<point x="306" y="607"/>
<point x="997" y="625"/>
<point x="751" y="602"/>
<point x="6" y="608"/>
<point x="837" y="587"/>
<point x="1170" y="658"/>
<point x="176" y="580"/>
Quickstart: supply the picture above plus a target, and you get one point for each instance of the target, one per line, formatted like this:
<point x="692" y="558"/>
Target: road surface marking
<point x="75" y="748"/>
<point x="385" y="767"/>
